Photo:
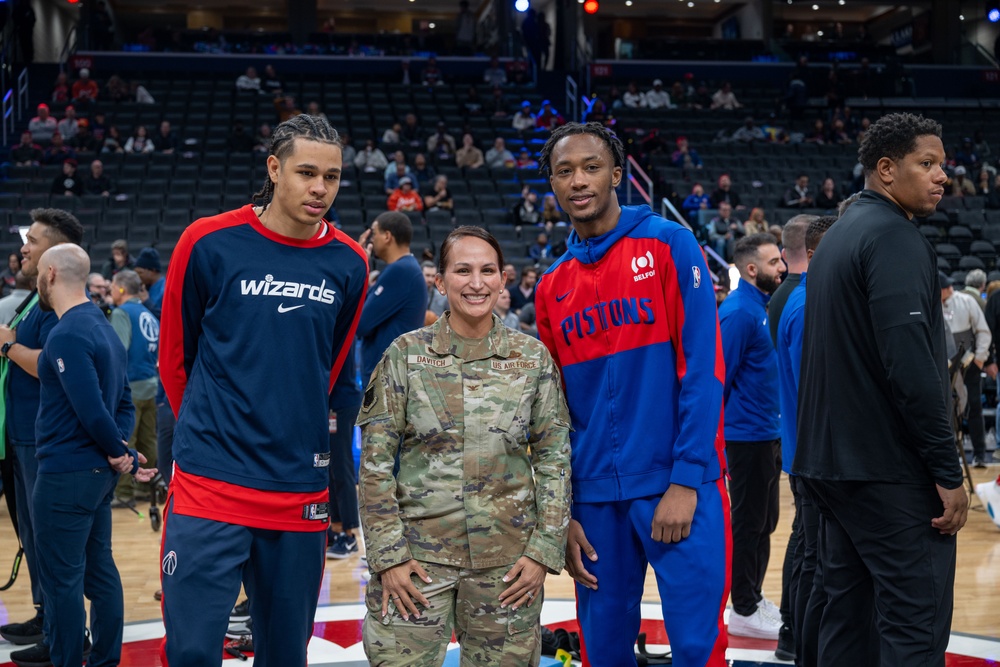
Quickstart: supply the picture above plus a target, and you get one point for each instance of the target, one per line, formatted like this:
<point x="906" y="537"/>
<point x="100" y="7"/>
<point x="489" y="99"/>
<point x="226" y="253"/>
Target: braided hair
<point x="303" y="126"/>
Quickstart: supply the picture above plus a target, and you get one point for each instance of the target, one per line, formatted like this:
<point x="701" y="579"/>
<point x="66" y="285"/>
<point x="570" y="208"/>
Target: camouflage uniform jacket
<point x="480" y="429"/>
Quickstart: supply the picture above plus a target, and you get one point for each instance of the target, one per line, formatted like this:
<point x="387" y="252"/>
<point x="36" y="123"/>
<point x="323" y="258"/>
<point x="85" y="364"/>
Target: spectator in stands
<point x="552" y="215"/>
<point x="548" y="118"/>
<point x="497" y="106"/>
<point x="863" y="129"/>
<point x="431" y="74"/>
<point x="239" y="141"/>
<point x="828" y="198"/>
<point x="113" y="142"/>
<point x="57" y="151"/>
<point x="511" y="272"/>
<point x="818" y="133"/>
<point x="139" y="93"/>
<point x="97" y="182"/>
<point x="469" y="156"/>
<point x="755" y="223"/>
<point x="119" y="260"/>
<point x="525" y="161"/>
<point x="503" y="311"/>
<point x="439" y="197"/>
<point x="262" y="142"/>
<point x="839" y="134"/>
<point x="524" y="120"/>
<point x="67" y="126"/>
<point x="724" y="193"/>
<point x="27" y="153"/>
<point x="657" y="97"/>
<point x="498" y="156"/>
<point x="348" y="153"/>
<point x="248" y="82"/>
<point x="540" y="249"/>
<point x="961" y="186"/>
<point x="396" y="170"/>
<point x="67" y="183"/>
<point x="43" y="126"/>
<point x="473" y="104"/>
<point x="724" y="231"/>
<point x="527" y="211"/>
<point x="975" y="285"/>
<point x="685" y="157"/>
<point x="393" y="134"/>
<point x="633" y="98"/>
<point x="441" y="144"/>
<point x="98" y="126"/>
<point x="84" y="141"/>
<point x="139" y="142"/>
<point x="313" y="110"/>
<point x="60" y="90"/>
<point x="519" y="71"/>
<point x="422" y="172"/>
<point x="411" y="132"/>
<point x="966" y="154"/>
<point x="150" y="272"/>
<point x="495" y="75"/>
<point x="725" y="99"/>
<point x="981" y="146"/>
<point x="139" y="332"/>
<point x="270" y="83"/>
<point x="85" y="89"/>
<point x="166" y="140"/>
<point x="749" y="133"/>
<point x="15" y="296"/>
<point x="8" y="277"/>
<point x="371" y="158"/>
<point x="405" y="197"/>
<point x="285" y="108"/>
<point x="983" y="186"/>
<point x="694" y="202"/>
<point x="118" y="90"/>
<point x="799" y="195"/>
<point x="397" y="303"/>
<point x="437" y="303"/>
<point x="524" y="293"/>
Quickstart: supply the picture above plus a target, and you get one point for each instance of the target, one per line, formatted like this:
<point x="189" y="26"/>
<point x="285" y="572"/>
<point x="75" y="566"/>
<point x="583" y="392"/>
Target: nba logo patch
<point x="170" y="563"/>
<point x="696" y="272"/>
<point x="61" y="365"/>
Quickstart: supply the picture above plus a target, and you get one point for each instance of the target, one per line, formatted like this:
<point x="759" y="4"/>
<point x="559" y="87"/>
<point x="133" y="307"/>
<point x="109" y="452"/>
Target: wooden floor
<point x="136" y="548"/>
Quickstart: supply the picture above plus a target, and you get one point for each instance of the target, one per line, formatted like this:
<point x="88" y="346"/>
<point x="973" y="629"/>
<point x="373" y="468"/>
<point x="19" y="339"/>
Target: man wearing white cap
<point x="960" y="185"/>
<point x="85" y="89"/>
<point x="658" y="98"/>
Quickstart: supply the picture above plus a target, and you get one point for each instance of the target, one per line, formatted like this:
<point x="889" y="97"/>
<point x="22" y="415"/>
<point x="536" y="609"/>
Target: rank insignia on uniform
<point x="369" y="401"/>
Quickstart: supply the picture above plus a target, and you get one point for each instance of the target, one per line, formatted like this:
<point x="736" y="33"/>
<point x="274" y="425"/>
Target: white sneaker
<point x="758" y="625"/>
<point x="770" y="608"/>
<point x="989" y="496"/>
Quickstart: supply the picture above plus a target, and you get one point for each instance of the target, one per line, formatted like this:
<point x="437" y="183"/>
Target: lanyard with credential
<point x="5" y="368"/>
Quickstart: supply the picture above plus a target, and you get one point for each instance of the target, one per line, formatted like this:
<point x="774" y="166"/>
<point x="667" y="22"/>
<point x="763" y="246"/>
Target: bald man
<point x="86" y="414"/>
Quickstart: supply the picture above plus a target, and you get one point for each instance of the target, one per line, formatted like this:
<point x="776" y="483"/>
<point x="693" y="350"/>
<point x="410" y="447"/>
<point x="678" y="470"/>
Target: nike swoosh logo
<point x="282" y="309"/>
<point x="563" y="296"/>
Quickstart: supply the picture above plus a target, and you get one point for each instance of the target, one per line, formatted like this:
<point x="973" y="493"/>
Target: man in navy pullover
<point x="752" y="433"/>
<point x="85" y="412"/>
<point x="397" y="302"/>
<point x="21" y="344"/>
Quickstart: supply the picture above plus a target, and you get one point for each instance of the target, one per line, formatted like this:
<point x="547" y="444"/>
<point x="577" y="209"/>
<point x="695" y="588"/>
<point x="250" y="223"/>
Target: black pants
<point x="755" y="468"/>
<point x="977" y="430"/>
<point x="343" y="474"/>
<point x="792" y="565"/>
<point x="882" y="559"/>
<point x="809" y="596"/>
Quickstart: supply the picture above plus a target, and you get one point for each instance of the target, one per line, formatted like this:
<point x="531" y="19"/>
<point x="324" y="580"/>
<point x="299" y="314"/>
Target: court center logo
<point x="170" y="563"/>
<point x="642" y="266"/>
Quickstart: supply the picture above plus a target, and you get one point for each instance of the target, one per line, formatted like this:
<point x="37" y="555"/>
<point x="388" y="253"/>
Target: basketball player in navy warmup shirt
<point x="260" y="308"/>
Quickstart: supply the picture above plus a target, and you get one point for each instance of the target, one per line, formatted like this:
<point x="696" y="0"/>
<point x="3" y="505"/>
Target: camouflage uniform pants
<point x="464" y="601"/>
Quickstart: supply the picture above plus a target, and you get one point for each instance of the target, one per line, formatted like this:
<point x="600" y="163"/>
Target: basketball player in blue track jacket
<point x="628" y="313"/>
<point x="259" y="312"/>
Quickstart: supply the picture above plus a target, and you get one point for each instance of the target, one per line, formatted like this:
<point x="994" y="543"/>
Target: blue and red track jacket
<point x="630" y="318"/>
<point x="255" y="329"/>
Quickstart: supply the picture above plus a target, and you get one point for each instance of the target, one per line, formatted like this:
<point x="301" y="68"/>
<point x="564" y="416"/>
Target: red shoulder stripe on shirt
<point x="347" y="346"/>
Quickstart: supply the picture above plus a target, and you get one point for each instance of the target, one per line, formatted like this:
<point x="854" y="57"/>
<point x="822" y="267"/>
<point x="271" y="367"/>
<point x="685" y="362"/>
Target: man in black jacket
<point x="876" y="449"/>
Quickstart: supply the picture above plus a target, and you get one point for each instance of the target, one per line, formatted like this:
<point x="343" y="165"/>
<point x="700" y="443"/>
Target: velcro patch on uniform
<point x="427" y="361"/>
<point x="370" y="398"/>
<point x="321" y="460"/>
<point x="526" y="364"/>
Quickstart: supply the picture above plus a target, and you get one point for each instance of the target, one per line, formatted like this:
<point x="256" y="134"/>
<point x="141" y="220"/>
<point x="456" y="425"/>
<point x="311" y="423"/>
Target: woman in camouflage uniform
<point x="464" y="480"/>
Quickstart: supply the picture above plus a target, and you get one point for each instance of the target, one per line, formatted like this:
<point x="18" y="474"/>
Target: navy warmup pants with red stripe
<point x="203" y="564"/>
<point x="692" y="576"/>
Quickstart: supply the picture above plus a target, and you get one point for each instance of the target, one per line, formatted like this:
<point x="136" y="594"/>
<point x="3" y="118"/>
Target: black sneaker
<point x="38" y="655"/>
<point x="786" y="644"/>
<point x="240" y="630"/>
<point x="978" y="462"/>
<point x="23" y="634"/>
<point x="241" y="612"/>
<point x="342" y="546"/>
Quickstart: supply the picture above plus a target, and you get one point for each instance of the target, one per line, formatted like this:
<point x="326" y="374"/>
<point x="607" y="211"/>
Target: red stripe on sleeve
<point x="347" y="346"/>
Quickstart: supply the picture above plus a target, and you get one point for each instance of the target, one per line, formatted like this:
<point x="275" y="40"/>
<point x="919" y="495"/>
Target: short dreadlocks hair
<point x="893" y="136"/>
<point x="609" y="138"/>
<point x="303" y="126"/>
<point x="817" y="228"/>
